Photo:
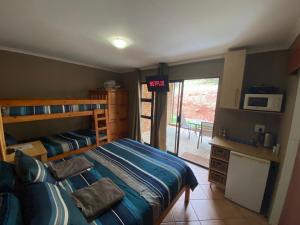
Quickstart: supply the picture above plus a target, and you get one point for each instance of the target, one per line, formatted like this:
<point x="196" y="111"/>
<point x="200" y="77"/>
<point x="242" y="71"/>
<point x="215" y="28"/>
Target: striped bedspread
<point x="48" y="109"/>
<point x="149" y="178"/>
<point x="68" y="141"/>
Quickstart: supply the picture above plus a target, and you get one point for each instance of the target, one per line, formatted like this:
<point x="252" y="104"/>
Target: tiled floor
<point x="208" y="206"/>
<point x="188" y="145"/>
<point x="195" y="158"/>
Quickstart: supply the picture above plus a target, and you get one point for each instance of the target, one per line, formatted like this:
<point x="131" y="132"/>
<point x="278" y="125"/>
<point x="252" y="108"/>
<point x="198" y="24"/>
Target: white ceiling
<point x="160" y="30"/>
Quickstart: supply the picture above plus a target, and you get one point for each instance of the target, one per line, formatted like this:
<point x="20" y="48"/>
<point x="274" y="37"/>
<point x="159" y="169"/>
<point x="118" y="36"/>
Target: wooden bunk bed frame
<point x="100" y="118"/>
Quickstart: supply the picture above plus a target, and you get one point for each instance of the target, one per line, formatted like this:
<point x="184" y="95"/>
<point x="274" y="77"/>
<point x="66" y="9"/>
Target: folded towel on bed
<point x="97" y="198"/>
<point x="71" y="167"/>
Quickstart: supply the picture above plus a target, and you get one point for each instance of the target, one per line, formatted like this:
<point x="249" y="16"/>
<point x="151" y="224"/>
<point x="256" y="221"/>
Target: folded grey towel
<point x="71" y="167"/>
<point x="97" y="198"/>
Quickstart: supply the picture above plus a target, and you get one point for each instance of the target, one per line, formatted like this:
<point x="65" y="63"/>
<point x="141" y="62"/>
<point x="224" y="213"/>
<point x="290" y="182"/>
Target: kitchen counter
<point x="258" y="152"/>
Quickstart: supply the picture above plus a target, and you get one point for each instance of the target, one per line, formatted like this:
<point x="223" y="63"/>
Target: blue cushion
<point x="7" y="177"/>
<point x="48" y="204"/>
<point x="10" y="210"/>
<point x="31" y="170"/>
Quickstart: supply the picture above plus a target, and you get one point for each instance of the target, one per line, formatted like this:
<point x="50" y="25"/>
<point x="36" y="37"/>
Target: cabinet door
<point x="122" y="97"/>
<point x="113" y="113"/>
<point x="117" y="112"/>
<point x="118" y="97"/>
<point x="232" y="79"/>
<point x="112" y="97"/>
<point x="246" y="180"/>
<point x="118" y="128"/>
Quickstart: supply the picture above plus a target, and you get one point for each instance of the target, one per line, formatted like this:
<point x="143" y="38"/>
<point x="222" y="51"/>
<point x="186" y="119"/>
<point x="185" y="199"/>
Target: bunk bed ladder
<point x="2" y="139"/>
<point x="100" y="124"/>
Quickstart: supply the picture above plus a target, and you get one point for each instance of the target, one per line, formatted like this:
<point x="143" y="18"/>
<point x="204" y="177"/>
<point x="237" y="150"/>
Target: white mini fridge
<point x="246" y="180"/>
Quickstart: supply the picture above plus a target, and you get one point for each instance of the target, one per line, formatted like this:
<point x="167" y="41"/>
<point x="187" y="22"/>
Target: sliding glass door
<point x="174" y="99"/>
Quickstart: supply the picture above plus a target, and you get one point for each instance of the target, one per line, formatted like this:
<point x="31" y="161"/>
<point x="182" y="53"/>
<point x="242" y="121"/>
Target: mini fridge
<point x="246" y="180"/>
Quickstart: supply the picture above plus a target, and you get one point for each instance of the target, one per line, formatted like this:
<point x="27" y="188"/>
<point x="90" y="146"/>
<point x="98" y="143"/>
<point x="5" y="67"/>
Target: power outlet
<point x="259" y="128"/>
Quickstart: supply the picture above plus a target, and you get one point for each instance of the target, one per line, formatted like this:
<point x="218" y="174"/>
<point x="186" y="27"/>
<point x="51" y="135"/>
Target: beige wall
<point x="23" y="76"/>
<point x="290" y="140"/>
<point x="262" y="68"/>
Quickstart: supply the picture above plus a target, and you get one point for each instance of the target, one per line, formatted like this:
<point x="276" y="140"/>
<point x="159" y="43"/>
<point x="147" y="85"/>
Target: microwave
<point x="264" y="102"/>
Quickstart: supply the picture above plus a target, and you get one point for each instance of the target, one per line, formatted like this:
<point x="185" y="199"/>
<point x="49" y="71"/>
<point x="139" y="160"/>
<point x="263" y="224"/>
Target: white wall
<point x="288" y="162"/>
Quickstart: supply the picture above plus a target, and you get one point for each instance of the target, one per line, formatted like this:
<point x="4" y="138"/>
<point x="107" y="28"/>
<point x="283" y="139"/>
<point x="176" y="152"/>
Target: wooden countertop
<point x="259" y="152"/>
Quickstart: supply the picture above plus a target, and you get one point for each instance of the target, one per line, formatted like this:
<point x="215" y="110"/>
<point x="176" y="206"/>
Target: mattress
<point x="150" y="179"/>
<point x="48" y="109"/>
<point x="68" y="141"/>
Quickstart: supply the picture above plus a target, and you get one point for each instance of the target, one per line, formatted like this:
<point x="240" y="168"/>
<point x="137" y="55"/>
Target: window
<point x="146" y="113"/>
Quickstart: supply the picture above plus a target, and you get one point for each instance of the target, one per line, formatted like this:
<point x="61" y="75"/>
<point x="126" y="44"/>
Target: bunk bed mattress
<point x="68" y="141"/>
<point x="150" y="179"/>
<point x="50" y="109"/>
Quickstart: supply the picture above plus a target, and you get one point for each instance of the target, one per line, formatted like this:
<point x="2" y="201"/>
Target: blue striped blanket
<point x="48" y="109"/>
<point x="149" y="178"/>
<point x="68" y="141"/>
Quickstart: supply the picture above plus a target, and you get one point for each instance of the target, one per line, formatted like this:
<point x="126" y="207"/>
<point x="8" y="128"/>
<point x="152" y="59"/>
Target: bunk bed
<point x="152" y="180"/>
<point x="64" y="144"/>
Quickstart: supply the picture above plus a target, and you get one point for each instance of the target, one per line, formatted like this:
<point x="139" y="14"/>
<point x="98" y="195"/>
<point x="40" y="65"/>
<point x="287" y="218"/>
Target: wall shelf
<point x="280" y="114"/>
<point x="262" y="112"/>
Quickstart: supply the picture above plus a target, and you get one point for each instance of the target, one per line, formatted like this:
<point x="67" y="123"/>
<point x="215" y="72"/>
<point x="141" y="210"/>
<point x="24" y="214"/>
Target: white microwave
<point x="264" y="102"/>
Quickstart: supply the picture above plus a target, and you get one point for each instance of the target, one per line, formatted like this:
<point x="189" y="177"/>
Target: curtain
<point x="135" y="106"/>
<point x="158" y="131"/>
<point x="159" y="125"/>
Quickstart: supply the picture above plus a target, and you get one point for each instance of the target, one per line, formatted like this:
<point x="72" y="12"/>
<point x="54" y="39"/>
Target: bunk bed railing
<point x="42" y="102"/>
<point x="7" y="103"/>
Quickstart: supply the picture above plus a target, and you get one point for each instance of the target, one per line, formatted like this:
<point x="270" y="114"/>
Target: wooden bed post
<point x="187" y="195"/>
<point x="96" y="122"/>
<point x="2" y="139"/>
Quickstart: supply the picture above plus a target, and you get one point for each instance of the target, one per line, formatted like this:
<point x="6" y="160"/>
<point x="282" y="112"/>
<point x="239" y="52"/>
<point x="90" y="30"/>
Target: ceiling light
<point x="119" y="42"/>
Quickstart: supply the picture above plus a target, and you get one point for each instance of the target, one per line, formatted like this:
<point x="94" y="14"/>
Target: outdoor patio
<point x="188" y="145"/>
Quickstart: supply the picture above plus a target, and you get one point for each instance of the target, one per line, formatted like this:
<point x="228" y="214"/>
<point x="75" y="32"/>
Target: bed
<point x="152" y="181"/>
<point x="69" y="141"/>
<point x="64" y="144"/>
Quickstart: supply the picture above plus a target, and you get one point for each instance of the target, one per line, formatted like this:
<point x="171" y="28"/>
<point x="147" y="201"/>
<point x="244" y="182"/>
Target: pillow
<point x="10" y="210"/>
<point x="31" y="170"/>
<point x="7" y="177"/>
<point x="48" y="204"/>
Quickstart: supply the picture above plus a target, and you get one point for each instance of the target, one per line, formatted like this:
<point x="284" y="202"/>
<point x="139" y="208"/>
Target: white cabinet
<point x="246" y="180"/>
<point x="232" y="79"/>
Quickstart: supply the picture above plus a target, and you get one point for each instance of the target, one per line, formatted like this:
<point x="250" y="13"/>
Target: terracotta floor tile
<point x="209" y="206"/>
<point x="198" y="193"/>
<point x="189" y="223"/>
<point x="252" y="217"/>
<point x="225" y="222"/>
<point x="202" y="178"/>
<point x="183" y="213"/>
<point x="236" y="222"/>
<point x="169" y="218"/>
<point x="197" y="169"/>
<point x="212" y="222"/>
<point x="215" y="209"/>
<point x="212" y="191"/>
